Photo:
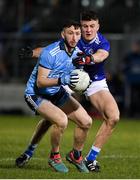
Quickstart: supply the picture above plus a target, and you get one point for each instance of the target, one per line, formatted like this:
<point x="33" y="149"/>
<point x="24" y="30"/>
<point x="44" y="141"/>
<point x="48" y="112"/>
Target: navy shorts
<point x="58" y="99"/>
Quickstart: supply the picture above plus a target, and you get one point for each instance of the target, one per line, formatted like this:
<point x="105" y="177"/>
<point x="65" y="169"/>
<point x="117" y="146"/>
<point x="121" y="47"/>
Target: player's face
<point x="89" y="29"/>
<point x="71" y="36"/>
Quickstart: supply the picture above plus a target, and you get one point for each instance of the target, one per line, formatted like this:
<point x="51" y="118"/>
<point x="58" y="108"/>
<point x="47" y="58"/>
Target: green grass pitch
<point x="119" y="159"/>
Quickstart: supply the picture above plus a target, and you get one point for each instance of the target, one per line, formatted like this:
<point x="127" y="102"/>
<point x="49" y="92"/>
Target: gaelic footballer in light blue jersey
<point x="45" y="95"/>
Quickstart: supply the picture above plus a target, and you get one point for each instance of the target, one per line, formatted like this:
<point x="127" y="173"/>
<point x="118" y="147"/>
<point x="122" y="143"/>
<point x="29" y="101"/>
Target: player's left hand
<point x="25" y="52"/>
<point x="68" y="79"/>
<point x="82" y="59"/>
<point x="74" y="78"/>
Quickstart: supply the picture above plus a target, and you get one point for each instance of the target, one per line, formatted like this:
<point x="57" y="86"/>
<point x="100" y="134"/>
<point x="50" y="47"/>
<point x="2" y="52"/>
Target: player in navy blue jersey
<point x="95" y="48"/>
<point x="45" y="95"/>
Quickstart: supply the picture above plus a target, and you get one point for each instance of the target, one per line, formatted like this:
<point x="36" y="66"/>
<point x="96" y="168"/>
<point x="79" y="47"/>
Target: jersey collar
<point x="62" y="47"/>
<point x="90" y="42"/>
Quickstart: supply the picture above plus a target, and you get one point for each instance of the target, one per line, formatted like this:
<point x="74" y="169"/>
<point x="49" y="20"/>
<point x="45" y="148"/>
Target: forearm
<point x="43" y="79"/>
<point x="43" y="82"/>
<point x="100" y="56"/>
<point x="37" y="52"/>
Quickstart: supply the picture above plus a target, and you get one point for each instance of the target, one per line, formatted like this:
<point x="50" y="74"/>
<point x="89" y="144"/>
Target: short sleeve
<point x="46" y="60"/>
<point x="104" y="44"/>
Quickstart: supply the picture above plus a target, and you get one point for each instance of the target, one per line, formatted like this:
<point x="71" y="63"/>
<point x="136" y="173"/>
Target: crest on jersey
<point x="90" y="51"/>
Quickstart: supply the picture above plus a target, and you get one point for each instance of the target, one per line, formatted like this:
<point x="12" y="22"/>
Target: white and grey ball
<point x="83" y="82"/>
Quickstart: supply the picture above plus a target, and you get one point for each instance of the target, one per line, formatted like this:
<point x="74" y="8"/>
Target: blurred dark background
<point x="37" y="23"/>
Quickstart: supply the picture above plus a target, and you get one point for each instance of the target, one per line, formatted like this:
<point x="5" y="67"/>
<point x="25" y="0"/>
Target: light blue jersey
<point x="55" y="58"/>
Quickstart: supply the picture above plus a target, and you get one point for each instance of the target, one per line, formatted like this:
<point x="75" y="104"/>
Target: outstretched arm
<point x="100" y="56"/>
<point x="37" y="52"/>
<point x="83" y="59"/>
<point x="28" y="52"/>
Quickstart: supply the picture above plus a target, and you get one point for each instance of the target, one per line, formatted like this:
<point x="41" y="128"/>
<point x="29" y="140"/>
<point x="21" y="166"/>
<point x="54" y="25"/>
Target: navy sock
<point x="53" y="154"/>
<point x="76" y="153"/>
<point x="30" y="150"/>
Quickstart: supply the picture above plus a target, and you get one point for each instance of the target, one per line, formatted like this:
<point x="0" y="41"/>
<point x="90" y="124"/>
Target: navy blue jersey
<point x="55" y="58"/>
<point x="95" y="71"/>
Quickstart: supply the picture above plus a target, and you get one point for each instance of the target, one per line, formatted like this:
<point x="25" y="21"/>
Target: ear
<point x="62" y="34"/>
<point x="98" y="27"/>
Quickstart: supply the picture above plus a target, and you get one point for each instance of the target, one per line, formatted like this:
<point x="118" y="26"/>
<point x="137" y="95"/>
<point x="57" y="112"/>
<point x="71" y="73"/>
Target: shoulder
<point x="101" y="38"/>
<point x="51" y="50"/>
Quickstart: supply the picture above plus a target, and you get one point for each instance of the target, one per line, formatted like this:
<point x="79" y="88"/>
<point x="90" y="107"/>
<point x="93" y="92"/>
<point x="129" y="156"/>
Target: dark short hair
<point x="88" y="15"/>
<point x="69" y="23"/>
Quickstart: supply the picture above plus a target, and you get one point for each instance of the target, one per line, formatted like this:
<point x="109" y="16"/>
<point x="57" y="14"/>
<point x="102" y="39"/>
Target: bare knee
<point x="113" y="119"/>
<point x="62" y="122"/>
<point x="86" y="123"/>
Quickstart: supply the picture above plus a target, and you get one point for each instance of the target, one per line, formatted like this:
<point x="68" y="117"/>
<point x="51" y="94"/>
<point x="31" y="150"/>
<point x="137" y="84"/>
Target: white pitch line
<point x="12" y="159"/>
<point x="101" y="157"/>
<point x="119" y="157"/>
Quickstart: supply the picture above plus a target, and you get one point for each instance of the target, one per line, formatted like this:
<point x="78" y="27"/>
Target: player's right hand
<point x="69" y="79"/>
<point x="25" y="52"/>
<point x="82" y="59"/>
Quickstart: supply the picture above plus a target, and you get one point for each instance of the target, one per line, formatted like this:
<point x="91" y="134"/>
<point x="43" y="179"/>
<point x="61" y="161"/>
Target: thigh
<point x="76" y="112"/>
<point x="105" y="103"/>
<point x="70" y="105"/>
<point x="51" y="112"/>
<point x="46" y="109"/>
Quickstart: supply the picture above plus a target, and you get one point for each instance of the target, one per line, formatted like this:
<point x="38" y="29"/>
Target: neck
<point x="69" y="49"/>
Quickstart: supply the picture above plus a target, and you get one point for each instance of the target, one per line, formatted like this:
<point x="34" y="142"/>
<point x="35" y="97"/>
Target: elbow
<point x="39" y="84"/>
<point x="106" y="55"/>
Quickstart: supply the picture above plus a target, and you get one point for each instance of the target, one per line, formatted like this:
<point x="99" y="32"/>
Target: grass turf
<point x="119" y="159"/>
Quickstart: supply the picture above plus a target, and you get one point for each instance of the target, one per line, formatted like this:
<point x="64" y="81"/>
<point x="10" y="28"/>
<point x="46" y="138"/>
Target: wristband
<point x="92" y="58"/>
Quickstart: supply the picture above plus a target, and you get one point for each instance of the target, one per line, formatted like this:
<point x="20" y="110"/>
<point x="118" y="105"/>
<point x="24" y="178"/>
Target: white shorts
<point x="92" y="89"/>
<point x="96" y="86"/>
